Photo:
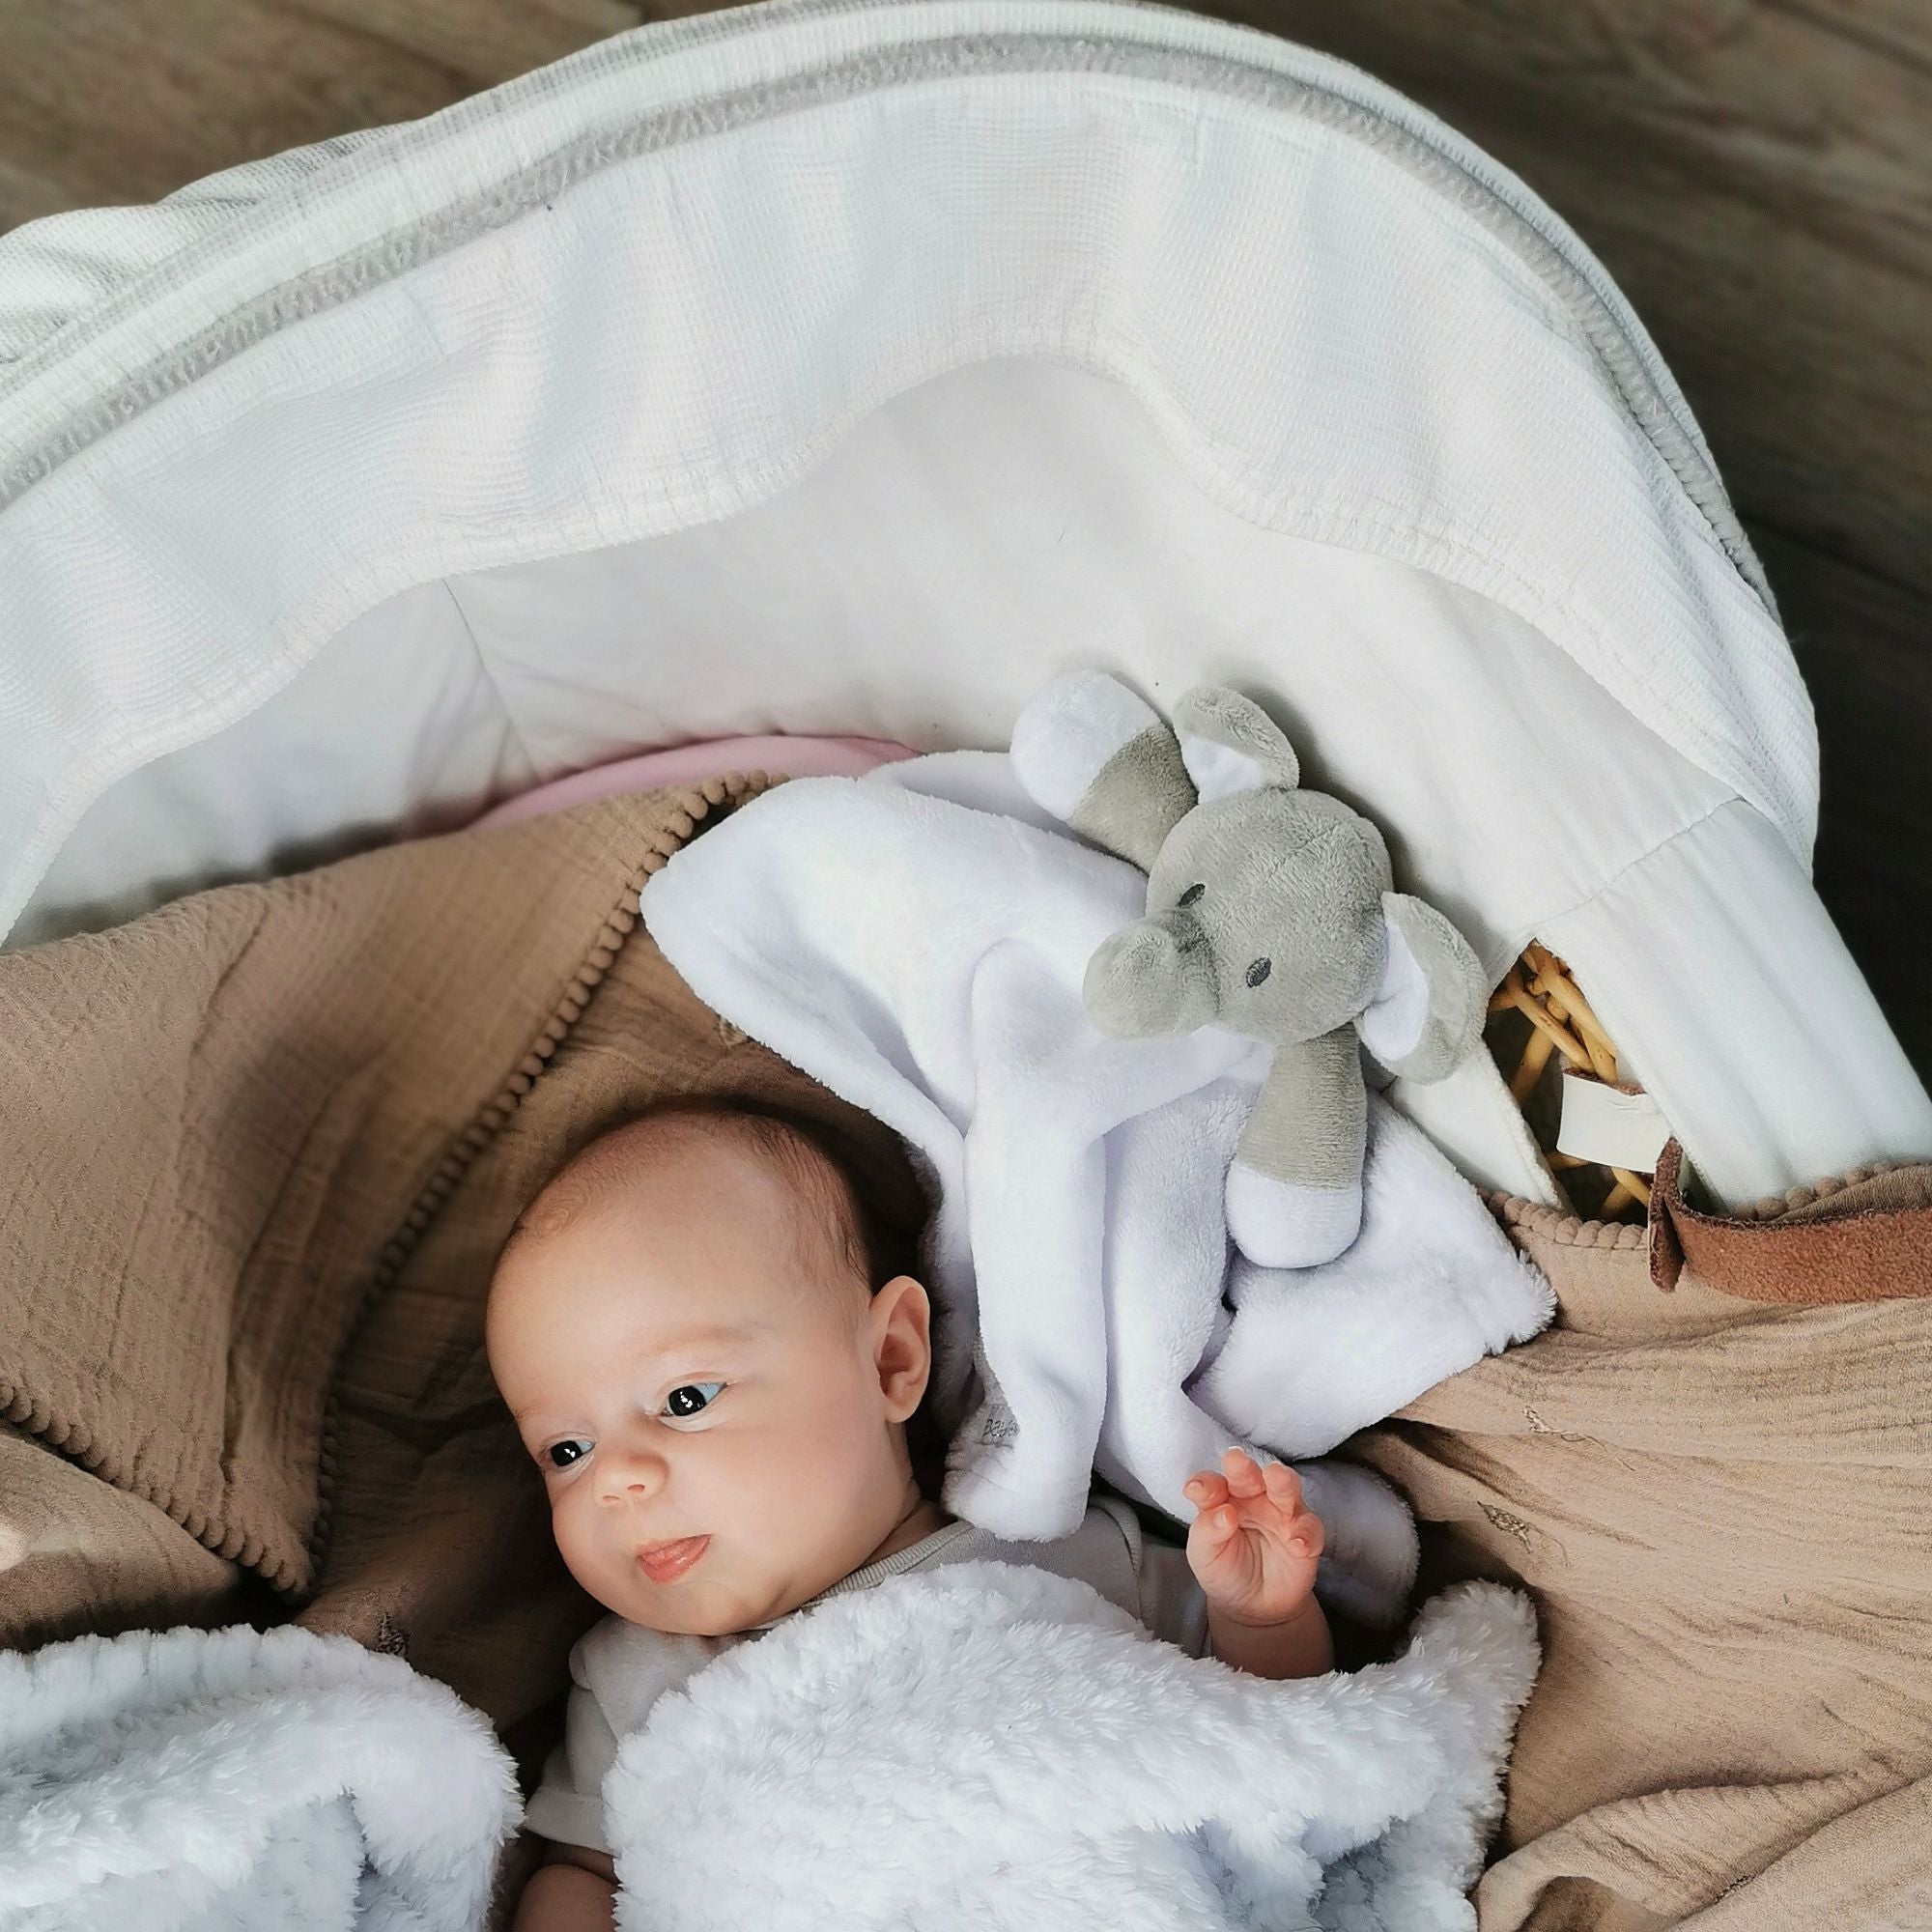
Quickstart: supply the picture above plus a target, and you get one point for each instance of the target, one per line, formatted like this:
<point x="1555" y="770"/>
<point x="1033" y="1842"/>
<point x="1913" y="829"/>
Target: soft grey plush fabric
<point x="1269" y="913"/>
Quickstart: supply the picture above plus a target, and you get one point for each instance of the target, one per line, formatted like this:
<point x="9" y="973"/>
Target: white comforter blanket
<point x="236" y="1780"/>
<point x="989" y="1748"/>
<point x="915" y="940"/>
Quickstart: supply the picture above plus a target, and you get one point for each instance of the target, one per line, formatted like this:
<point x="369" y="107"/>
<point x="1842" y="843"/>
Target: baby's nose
<point x="630" y="1477"/>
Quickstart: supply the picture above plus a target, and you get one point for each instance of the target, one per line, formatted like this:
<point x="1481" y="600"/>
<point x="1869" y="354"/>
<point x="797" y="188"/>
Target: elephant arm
<point x="1295" y="1191"/>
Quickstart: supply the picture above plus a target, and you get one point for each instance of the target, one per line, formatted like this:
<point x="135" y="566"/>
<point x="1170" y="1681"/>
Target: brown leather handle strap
<point x="1869" y="1241"/>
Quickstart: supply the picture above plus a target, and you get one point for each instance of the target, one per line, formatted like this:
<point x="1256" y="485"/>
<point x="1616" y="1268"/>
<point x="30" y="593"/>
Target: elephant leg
<point x="1295" y="1191"/>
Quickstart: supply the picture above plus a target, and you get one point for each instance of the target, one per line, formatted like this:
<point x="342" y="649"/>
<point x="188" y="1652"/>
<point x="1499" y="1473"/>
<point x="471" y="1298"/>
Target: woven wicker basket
<point x="1541" y="1030"/>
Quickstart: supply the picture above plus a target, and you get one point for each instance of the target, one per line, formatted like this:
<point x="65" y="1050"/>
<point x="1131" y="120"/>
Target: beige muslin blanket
<point x="260" y="1147"/>
<point x="263" y="1144"/>
<point x="1724" y="1509"/>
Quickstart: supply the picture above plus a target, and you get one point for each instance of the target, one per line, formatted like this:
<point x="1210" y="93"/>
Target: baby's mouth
<point x="666" y="1562"/>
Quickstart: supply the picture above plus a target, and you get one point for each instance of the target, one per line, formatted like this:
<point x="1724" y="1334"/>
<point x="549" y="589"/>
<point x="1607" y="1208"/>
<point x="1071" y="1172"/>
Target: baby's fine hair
<point x="814" y="1159"/>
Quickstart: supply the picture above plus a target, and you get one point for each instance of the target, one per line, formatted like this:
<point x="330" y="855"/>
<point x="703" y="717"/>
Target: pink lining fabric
<point x="708" y="758"/>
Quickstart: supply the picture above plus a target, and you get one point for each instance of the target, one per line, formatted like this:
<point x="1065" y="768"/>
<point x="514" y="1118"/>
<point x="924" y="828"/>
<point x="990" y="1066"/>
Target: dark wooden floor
<point x="1756" y="174"/>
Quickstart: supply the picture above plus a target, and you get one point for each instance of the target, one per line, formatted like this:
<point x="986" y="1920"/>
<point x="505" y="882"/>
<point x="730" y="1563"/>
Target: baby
<point x="688" y="1325"/>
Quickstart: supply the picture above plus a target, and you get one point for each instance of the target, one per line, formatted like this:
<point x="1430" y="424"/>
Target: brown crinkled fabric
<point x="1722" y="1507"/>
<point x="268" y="1141"/>
<point x="78" y="1555"/>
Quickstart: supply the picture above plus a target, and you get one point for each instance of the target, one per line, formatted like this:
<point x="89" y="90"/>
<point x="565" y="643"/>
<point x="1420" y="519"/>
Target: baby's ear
<point x="1230" y="745"/>
<point x="900" y="1318"/>
<point x="1099" y="757"/>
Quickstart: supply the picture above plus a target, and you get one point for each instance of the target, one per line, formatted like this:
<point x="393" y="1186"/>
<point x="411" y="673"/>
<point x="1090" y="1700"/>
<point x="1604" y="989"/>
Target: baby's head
<point x="687" y="1327"/>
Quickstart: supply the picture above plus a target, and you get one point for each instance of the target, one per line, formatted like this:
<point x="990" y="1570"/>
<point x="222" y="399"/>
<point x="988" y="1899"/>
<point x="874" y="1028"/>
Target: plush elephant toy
<point x="1269" y="913"/>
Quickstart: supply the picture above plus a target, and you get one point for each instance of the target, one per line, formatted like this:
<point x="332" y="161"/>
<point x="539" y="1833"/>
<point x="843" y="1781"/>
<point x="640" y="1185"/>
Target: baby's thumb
<point x="1210" y="1538"/>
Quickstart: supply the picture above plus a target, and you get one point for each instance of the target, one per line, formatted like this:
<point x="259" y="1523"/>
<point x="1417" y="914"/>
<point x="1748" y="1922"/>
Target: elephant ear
<point x="1100" y="758"/>
<point x="1230" y="744"/>
<point x="1428" y="1009"/>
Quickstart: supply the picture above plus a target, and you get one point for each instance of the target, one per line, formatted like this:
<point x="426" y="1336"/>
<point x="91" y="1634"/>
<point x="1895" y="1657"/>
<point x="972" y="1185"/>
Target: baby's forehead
<point x="694" y="1166"/>
<point x="635" y="1242"/>
<point x="687" y="1168"/>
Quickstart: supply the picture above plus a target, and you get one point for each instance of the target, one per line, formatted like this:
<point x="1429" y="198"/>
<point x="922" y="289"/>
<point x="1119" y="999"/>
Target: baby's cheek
<point x="799" y="1483"/>
<point x="570" y="1526"/>
<point x="771" y="1476"/>
<point x="586" y="1556"/>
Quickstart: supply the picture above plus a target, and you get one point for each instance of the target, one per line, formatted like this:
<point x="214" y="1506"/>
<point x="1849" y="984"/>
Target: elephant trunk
<point x="1153" y="977"/>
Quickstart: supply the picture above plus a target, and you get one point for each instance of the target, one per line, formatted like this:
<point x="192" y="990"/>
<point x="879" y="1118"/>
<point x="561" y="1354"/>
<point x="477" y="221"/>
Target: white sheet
<point x="1235" y="365"/>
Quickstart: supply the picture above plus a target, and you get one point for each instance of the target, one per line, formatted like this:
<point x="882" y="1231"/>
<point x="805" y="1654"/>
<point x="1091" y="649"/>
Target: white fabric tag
<point x="1608" y="1124"/>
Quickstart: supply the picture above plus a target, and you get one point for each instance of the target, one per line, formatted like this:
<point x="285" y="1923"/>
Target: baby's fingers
<point x="1205" y="1489"/>
<point x="1213" y="1534"/>
<point x="1243" y="1478"/>
<point x="1284" y="1487"/>
<point x="1223" y="1523"/>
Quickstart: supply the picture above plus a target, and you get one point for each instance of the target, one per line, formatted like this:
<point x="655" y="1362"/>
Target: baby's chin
<point x="684" y="1609"/>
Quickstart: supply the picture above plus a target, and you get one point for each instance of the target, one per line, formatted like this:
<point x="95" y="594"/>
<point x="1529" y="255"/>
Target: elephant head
<point x="1268" y="907"/>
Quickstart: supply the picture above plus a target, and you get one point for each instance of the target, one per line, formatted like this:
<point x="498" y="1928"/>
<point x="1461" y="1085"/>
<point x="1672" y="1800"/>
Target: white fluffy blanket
<point x="988" y="1748"/>
<point x="234" y="1780"/>
<point x="915" y="940"/>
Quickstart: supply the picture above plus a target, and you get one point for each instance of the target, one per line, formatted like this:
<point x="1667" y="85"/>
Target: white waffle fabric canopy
<point x="829" y="367"/>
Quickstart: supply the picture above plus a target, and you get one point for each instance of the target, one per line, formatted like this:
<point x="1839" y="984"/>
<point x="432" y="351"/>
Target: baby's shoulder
<point x="627" y="1667"/>
<point x="1104" y="1550"/>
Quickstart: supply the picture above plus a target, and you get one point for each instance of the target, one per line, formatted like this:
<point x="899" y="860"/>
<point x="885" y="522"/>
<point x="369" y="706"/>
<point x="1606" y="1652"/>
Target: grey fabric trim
<point x="351" y="274"/>
<point x="914" y="1557"/>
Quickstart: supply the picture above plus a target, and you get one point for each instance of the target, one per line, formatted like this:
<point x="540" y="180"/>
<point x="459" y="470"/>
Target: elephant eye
<point x="1259" y="972"/>
<point x="1192" y="894"/>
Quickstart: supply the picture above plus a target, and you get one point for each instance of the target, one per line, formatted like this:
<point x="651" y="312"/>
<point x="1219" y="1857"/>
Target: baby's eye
<point x="691" y="1398"/>
<point x="572" y="1443"/>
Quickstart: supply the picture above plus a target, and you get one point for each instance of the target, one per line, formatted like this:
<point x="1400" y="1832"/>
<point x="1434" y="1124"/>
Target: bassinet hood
<point x="857" y="368"/>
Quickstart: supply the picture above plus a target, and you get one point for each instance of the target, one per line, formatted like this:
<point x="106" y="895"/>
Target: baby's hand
<point x="1254" y="1545"/>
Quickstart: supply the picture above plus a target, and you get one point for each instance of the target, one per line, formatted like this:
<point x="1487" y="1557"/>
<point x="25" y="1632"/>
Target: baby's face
<point x="713" y="1404"/>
